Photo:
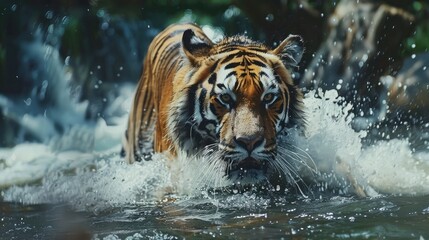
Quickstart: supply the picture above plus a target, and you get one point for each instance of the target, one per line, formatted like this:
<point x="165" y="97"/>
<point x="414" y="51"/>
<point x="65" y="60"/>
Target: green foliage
<point x="72" y="35"/>
<point x="160" y="10"/>
<point x="419" y="41"/>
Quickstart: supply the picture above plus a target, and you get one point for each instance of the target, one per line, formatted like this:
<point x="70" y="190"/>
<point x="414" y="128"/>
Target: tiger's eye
<point x="268" y="97"/>
<point x="225" y="98"/>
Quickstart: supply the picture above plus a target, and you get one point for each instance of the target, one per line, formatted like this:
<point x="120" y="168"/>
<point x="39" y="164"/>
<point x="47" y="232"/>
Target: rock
<point x="363" y="44"/>
<point x="408" y="92"/>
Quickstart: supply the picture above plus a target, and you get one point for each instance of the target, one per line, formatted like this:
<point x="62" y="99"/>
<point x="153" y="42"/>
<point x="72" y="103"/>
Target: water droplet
<point x="13" y="8"/>
<point x="231" y="12"/>
<point x="51" y="28"/>
<point x="101" y="13"/>
<point x="49" y="15"/>
<point x="43" y="89"/>
<point x="98" y="67"/>
<point x="413" y="56"/>
<point x="269" y="17"/>
<point x="67" y="60"/>
<point x="27" y="101"/>
<point x="104" y="25"/>
<point x="65" y="20"/>
<point x="413" y="45"/>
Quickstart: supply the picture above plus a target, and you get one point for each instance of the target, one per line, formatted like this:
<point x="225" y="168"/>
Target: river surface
<point x="243" y="216"/>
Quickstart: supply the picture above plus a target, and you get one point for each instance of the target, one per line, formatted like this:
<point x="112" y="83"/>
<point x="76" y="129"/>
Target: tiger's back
<point x="147" y="124"/>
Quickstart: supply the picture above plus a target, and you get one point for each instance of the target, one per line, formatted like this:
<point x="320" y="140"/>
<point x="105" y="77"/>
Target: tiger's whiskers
<point x="289" y="163"/>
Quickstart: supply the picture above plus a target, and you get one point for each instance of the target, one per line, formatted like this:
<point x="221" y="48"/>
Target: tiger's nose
<point x="249" y="142"/>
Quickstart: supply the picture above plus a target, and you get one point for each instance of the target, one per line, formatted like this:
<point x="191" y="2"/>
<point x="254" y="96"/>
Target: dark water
<point x="242" y="216"/>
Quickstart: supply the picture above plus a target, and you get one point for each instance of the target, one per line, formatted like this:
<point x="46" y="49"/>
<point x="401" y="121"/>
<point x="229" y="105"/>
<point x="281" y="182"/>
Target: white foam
<point x="329" y="135"/>
<point x="191" y="174"/>
<point x="391" y="167"/>
<point x="86" y="180"/>
<point x="387" y="167"/>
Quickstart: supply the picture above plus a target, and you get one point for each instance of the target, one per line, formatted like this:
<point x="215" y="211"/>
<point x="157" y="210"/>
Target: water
<point x="258" y="217"/>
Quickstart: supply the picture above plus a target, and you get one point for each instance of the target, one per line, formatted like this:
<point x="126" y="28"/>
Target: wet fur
<point x="176" y="107"/>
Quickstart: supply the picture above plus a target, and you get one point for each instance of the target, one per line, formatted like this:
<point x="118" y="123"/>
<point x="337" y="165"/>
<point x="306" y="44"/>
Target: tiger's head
<point x="238" y="99"/>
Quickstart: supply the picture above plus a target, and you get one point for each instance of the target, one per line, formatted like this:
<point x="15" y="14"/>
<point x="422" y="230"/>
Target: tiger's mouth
<point x="250" y="163"/>
<point x="248" y="169"/>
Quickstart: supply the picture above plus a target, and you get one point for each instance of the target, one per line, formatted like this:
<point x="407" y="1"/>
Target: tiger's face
<point x="243" y="98"/>
<point x="249" y="106"/>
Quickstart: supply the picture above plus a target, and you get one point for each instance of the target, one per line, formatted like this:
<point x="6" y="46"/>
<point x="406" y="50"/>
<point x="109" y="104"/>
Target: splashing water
<point x="338" y="151"/>
<point x="99" y="178"/>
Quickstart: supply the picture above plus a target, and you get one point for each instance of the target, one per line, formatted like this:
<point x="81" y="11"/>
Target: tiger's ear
<point x="195" y="47"/>
<point x="290" y="51"/>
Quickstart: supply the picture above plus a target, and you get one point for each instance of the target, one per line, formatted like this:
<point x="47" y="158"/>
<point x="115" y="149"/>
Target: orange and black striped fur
<point x="233" y="98"/>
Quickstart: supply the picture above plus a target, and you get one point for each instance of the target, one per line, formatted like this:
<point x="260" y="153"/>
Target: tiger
<point x="234" y="97"/>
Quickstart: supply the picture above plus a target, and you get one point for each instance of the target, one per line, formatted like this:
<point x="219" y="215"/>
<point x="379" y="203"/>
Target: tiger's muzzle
<point x="245" y="138"/>
<point x="249" y="159"/>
